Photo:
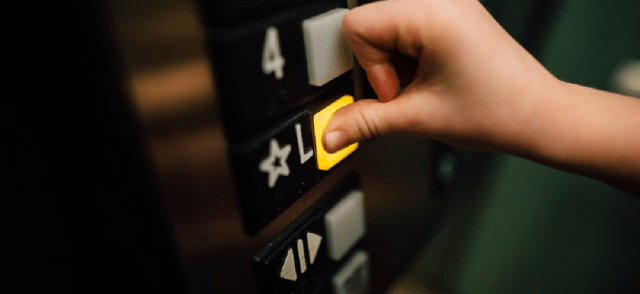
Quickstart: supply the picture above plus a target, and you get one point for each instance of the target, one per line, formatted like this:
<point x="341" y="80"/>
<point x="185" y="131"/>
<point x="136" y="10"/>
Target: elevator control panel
<point x="280" y="75"/>
<point x="321" y="250"/>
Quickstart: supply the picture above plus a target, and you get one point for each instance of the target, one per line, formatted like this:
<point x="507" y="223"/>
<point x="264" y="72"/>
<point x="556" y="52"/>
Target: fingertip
<point x="384" y="80"/>
<point x="335" y="134"/>
<point x="334" y="141"/>
<point x="348" y="22"/>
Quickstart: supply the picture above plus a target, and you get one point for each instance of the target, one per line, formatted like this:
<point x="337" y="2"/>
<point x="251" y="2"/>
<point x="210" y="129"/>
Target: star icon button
<point x="268" y="165"/>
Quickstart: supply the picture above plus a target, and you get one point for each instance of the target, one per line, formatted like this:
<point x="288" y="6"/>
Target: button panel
<point x="297" y="260"/>
<point x="275" y="170"/>
<point x="268" y="104"/>
<point x="261" y="72"/>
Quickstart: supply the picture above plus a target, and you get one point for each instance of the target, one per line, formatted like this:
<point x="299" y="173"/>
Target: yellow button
<point x="325" y="159"/>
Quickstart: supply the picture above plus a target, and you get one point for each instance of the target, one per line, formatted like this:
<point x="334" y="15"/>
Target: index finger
<point x="373" y="32"/>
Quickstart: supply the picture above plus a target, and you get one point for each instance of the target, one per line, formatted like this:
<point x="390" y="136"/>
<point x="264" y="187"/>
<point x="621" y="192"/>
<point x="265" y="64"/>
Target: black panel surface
<point x="271" y="172"/>
<point x="269" y="262"/>
<point x="274" y="169"/>
<point x="252" y="96"/>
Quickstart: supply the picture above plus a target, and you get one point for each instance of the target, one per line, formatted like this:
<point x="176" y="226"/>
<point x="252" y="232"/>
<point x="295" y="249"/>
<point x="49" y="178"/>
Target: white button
<point x="328" y="54"/>
<point x="345" y="224"/>
<point x="353" y="277"/>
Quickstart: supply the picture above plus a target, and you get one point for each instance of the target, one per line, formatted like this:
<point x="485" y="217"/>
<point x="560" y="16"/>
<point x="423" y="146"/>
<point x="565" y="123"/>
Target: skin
<point x="469" y="84"/>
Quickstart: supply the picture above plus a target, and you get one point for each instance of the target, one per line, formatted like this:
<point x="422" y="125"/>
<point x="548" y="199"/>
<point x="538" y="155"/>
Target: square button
<point x="328" y="53"/>
<point x="345" y="224"/>
<point x="325" y="159"/>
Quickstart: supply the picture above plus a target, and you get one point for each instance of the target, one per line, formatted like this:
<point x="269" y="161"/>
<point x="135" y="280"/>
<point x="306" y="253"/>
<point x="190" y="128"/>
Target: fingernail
<point x="334" y="141"/>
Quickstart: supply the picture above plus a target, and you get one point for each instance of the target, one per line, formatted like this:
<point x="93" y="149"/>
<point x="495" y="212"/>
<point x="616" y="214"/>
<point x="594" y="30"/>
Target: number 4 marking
<point x="272" y="59"/>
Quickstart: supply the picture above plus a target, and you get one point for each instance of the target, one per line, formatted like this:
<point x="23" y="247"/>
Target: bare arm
<point x="472" y="86"/>
<point x="592" y="133"/>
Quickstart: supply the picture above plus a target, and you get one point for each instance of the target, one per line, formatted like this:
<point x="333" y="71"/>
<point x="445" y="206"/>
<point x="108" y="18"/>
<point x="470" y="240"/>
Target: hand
<point x="468" y="83"/>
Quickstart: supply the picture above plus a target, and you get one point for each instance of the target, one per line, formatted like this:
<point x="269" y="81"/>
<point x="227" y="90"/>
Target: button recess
<point x="327" y="50"/>
<point x="325" y="159"/>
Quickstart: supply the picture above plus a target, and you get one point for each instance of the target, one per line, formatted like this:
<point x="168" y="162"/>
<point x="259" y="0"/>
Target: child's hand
<point x="469" y="83"/>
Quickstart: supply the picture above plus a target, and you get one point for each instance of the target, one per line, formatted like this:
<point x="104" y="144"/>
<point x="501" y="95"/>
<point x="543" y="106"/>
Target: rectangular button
<point x="327" y="51"/>
<point x="274" y="169"/>
<point x="261" y="72"/>
<point x="345" y="224"/>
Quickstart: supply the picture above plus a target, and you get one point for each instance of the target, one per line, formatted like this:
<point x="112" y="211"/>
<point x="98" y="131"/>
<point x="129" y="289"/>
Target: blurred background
<point x="529" y="228"/>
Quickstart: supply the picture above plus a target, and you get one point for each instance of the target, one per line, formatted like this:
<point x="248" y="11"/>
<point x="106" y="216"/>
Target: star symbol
<point x="268" y="165"/>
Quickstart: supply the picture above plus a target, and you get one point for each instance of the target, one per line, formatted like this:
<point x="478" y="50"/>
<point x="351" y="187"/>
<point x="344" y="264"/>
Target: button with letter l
<point x="325" y="159"/>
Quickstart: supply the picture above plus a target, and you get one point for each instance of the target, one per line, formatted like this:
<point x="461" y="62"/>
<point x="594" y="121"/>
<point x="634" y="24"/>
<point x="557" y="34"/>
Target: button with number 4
<point x="261" y="72"/>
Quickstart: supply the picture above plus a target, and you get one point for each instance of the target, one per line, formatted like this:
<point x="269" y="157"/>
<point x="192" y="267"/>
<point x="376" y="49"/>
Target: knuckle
<point x="348" y="22"/>
<point x="368" y="124"/>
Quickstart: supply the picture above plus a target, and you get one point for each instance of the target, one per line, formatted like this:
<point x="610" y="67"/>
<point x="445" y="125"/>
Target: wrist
<point x="543" y="129"/>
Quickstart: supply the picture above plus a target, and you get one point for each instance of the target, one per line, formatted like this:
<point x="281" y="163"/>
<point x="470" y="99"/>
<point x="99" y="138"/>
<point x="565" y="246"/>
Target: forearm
<point x="589" y="132"/>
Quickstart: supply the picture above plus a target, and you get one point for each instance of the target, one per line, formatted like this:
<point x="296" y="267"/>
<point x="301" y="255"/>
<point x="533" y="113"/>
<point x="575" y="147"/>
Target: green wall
<point x="532" y="229"/>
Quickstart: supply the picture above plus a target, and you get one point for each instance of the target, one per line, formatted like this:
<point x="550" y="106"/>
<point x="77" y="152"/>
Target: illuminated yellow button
<point x="325" y="159"/>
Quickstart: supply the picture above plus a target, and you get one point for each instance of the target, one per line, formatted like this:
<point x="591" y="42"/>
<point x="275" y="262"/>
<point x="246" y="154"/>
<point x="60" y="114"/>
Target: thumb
<point x="370" y="118"/>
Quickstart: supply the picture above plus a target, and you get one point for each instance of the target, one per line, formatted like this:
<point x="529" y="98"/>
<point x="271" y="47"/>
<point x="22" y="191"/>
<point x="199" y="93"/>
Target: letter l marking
<point x="303" y="156"/>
